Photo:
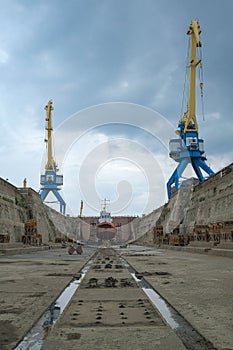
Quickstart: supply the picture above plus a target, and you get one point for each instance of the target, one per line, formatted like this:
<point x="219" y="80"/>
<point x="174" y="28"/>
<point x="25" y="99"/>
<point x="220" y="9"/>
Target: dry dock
<point x="110" y="310"/>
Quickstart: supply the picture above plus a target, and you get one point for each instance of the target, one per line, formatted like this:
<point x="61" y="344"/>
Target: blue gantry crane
<point x="51" y="181"/>
<point x="189" y="148"/>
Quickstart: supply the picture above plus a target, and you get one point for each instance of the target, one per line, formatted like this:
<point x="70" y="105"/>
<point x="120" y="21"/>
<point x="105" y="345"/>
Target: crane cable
<point x="185" y="92"/>
<point x="201" y="80"/>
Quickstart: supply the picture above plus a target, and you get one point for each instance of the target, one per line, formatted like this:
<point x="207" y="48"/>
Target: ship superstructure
<point x="106" y="230"/>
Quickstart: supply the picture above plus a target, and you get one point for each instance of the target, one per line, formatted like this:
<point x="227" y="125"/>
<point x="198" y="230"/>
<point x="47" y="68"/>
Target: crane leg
<point x="205" y="167"/>
<point x="61" y="201"/>
<point x="176" y="175"/>
<point x="44" y="194"/>
<point x="196" y="167"/>
<point x="199" y="164"/>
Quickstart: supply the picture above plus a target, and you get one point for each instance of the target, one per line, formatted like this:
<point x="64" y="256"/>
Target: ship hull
<point x="105" y="231"/>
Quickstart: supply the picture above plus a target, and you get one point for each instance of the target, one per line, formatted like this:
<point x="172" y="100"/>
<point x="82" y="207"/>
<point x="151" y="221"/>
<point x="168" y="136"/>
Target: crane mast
<point x="51" y="181"/>
<point x="189" y="148"/>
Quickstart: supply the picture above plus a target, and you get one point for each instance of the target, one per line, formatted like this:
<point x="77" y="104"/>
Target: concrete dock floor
<point x="29" y="283"/>
<point x="113" y="316"/>
<point x="198" y="286"/>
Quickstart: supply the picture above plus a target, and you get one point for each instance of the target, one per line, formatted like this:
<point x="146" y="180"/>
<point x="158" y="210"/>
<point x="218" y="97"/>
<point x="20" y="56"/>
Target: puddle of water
<point x="160" y="304"/>
<point x="34" y="338"/>
<point x="67" y="294"/>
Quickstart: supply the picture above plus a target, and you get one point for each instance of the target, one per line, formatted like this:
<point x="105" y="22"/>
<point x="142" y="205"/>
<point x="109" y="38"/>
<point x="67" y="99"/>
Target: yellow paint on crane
<point x="81" y="209"/>
<point x="50" y="161"/>
<point x="190" y="116"/>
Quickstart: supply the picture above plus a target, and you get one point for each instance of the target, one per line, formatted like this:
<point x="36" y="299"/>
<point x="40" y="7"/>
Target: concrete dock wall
<point x="202" y="204"/>
<point x="70" y="227"/>
<point x="211" y="201"/>
<point x="17" y="205"/>
<point x="13" y="211"/>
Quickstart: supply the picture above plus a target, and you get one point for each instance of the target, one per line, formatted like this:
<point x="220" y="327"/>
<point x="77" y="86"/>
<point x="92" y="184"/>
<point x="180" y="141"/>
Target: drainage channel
<point x="189" y="336"/>
<point x="34" y="338"/>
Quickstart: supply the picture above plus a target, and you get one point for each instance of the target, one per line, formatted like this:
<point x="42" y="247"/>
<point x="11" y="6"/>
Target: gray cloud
<point x="83" y="53"/>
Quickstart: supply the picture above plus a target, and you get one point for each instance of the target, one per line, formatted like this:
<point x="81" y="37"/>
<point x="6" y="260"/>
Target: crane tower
<point x="51" y="181"/>
<point x="189" y="148"/>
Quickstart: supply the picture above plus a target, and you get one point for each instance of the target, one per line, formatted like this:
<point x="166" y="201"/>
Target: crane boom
<point x="190" y="116"/>
<point x="50" y="161"/>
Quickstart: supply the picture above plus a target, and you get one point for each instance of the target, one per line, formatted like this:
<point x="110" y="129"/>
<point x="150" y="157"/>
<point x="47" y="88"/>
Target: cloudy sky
<point x="115" y="70"/>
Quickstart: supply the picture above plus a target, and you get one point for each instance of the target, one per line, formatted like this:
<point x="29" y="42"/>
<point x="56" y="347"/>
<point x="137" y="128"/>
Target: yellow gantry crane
<point x="81" y="209"/>
<point x="189" y="148"/>
<point x="25" y="183"/>
<point x="51" y="181"/>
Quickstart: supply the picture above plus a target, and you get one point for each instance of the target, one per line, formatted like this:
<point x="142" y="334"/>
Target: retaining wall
<point x="202" y="204"/>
